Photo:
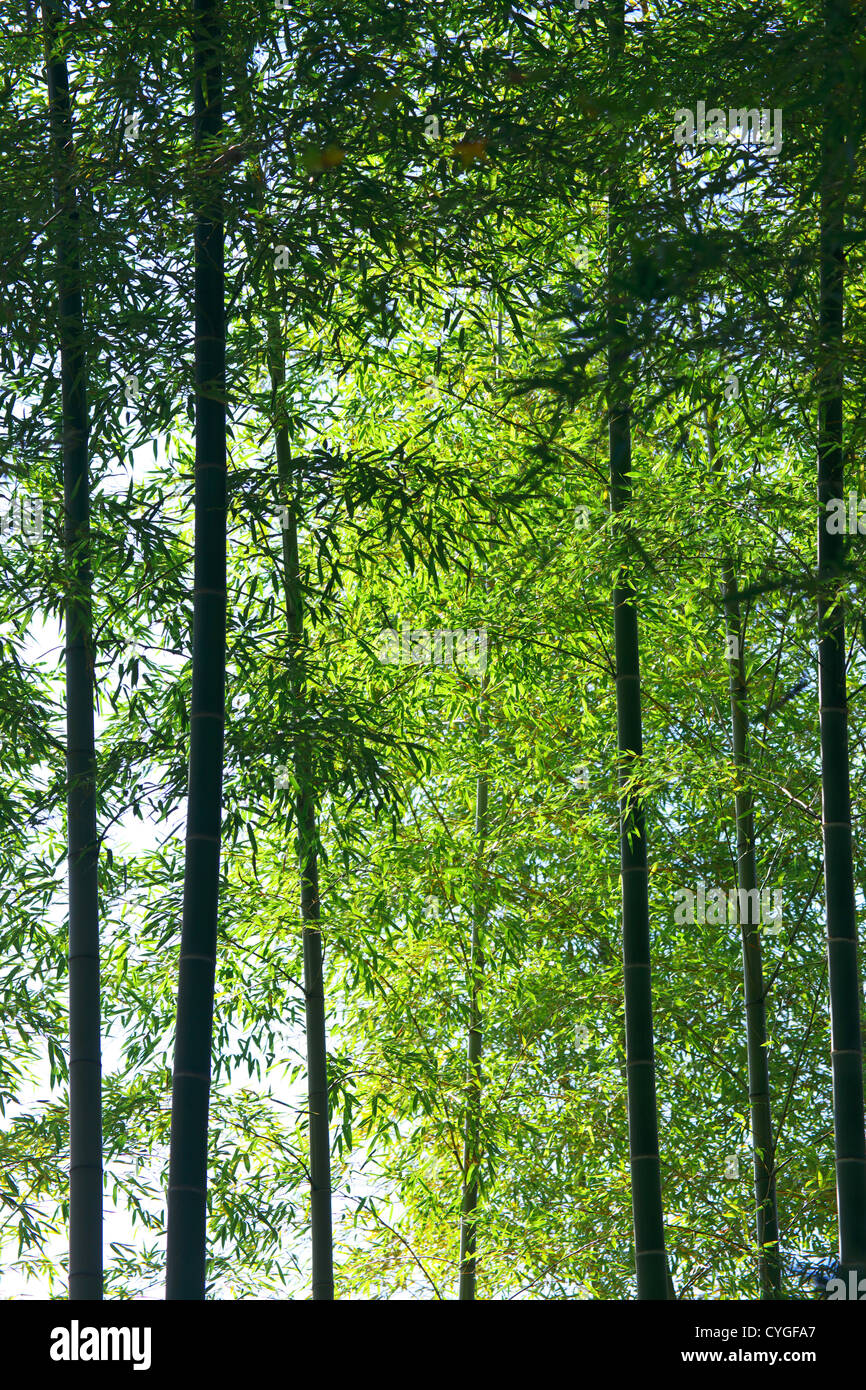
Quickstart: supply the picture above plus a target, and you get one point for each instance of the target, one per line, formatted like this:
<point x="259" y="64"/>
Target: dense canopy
<point x="466" y="402"/>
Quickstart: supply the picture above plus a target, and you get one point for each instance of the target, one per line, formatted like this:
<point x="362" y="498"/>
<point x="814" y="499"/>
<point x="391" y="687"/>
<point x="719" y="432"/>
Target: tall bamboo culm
<point x="474" y="1080"/>
<point x="843" y="970"/>
<point x="653" y="1281"/>
<point x="315" y="1016"/>
<point x="187" y="1192"/>
<point x="763" y="1141"/>
<point x="321" y="1221"/>
<point x="85" y="1070"/>
<point x="760" y="1108"/>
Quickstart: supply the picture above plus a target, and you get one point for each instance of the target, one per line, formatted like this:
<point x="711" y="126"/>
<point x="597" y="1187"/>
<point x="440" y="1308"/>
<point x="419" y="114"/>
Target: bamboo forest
<point x="432" y="651"/>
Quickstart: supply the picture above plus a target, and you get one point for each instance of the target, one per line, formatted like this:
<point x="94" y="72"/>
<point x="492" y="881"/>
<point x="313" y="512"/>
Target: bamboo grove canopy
<point x="432" y="649"/>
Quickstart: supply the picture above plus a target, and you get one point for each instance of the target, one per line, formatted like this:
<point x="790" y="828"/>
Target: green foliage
<point x="445" y="402"/>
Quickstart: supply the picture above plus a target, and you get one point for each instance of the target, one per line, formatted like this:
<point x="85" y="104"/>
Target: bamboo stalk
<point x="763" y="1141"/>
<point x="843" y="968"/>
<point x="305" y="813"/>
<point x="474" y="1079"/>
<point x="187" y="1191"/>
<point x="650" y="1256"/>
<point x="85" y="1069"/>
<point x="314" y="992"/>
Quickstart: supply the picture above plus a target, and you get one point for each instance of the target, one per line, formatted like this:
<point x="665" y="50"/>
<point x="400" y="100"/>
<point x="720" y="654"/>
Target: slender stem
<point x="305" y="811"/>
<point x="650" y="1256"/>
<point x="843" y="969"/>
<point x="187" y="1191"/>
<point x="763" y="1141"/>
<point x="85" y="1069"/>
<point x="474" y="1079"/>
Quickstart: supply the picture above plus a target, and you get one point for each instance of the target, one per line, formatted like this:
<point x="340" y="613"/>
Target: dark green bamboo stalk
<point x="305" y="814"/>
<point x="314" y="991"/>
<point x="474" y="1079"/>
<point x="763" y="1141"/>
<point x="85" y="1071"/>
<point x="187" y="1192"/>
<point x="844" y="975"/>
<point x="650" y="1256"/>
